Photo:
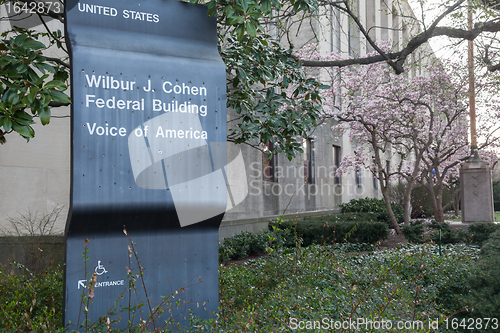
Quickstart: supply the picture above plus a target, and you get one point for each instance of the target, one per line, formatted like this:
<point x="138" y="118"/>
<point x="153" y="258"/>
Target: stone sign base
<point x="477" y="192"/>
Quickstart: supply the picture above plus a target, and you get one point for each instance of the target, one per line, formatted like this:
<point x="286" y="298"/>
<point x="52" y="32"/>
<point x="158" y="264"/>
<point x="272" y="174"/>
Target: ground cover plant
<point x="484" y="300"/>
<point x="322" y="285"/>
<point x="412" y="282"/>
<point x="420" y="231"/>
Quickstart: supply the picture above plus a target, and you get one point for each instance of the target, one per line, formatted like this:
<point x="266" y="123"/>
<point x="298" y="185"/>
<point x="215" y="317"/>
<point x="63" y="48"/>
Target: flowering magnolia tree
<point x="441" y="164"/>
<point x="412" y="129"/>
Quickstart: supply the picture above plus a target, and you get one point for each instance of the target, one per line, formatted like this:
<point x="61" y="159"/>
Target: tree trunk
<point x="438" y="210"/>
<point x="407" y="201"/>
<point x="387" y="199"/>
<point x="437" y="199"/>
<point x="456" y="200"/>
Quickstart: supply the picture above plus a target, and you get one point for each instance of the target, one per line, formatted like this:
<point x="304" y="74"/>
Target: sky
<point x="440" y="45"/>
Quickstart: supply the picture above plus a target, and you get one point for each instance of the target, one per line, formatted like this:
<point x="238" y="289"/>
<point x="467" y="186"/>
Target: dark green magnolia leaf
<point x="44" y="99"/>
<point x="26" y="131"/>
<point x="251" y="30"/>
<point x="22" y="122"/>
<point x="32" y="56"/>
<point x="33" y="77"/>
<point x="211" y="8"/>
<point x="244" y="5"/>
<point x="19" y="39"/>
<point x="39" y="58"/>
<point x="11" y="97"/>
<point x="35" y="106"/>
<point x="266" y="6"/>
<point x="236" y="80"/>
<point x="236" y="20"/>
<point x="44" y="115"/>
<point x="59" y="96"/>
<point x="240" y="32"/>
<point x="7" y="59"/>
<point x="230" y="13"/>
<point x="241" y="73"/>
<point x="32" y="94"/>
<point x="22" y="68"/>
<point x="10" y="85"/>
<point x="23" y="115"/>
<point x="44" y="67"/>
<point x="55" y="84"/>
<point x="34" y="45"/>
<point x="18" y="106"/>
<point x="7" y="124"/>
<point x="61" y="75"/>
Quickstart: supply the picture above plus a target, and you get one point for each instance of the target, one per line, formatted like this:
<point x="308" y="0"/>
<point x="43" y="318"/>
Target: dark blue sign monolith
<point x="148" y="157"/>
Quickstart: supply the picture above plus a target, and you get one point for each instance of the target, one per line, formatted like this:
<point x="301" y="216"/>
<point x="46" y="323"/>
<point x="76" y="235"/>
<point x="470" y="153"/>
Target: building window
<point x="353" y="40"/>
<point x="358" y="177"/>
<point x="395" y="28"/>
<point x="308" y="147"/>
<point x="375" y="181"/>
<point x="269" y="163"/>
<point x="337" y="158"/>
<point x="384" y="12"/>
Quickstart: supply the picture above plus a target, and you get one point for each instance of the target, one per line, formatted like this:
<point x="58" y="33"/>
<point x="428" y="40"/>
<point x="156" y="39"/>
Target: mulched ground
<point x="393" y="241"/>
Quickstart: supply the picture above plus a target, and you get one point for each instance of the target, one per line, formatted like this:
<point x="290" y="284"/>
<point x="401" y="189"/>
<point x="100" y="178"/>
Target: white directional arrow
<point x="81" y="283"/>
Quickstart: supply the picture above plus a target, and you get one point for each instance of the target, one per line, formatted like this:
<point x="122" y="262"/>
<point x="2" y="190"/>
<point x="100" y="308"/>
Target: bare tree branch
<point x="397" y="59"/>
<point x="57" y="60"/>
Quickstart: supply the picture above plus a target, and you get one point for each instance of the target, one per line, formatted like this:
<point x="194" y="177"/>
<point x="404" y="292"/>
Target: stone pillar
<point x="477" y="192"/>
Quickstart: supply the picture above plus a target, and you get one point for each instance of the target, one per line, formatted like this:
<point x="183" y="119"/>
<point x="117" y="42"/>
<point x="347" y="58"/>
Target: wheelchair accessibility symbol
<point x="100" y="270"/>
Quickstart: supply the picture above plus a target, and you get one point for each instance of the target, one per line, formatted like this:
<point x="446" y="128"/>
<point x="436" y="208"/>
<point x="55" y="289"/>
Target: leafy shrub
<point x="458" y="236"/>
<point x="376" y="206"/>
<point x="481" y="231"/>
<point x="483" y="301"/>
<point x="332" y="230"/>
<point x="246" y="244"/>
<point x="414" y="232"/>
<point x="477" y="233"/>
<point x="28" y="302"/>
<point x="421" y="201"/>
<point x="448" y="234"/>
<point x="496" y="195"/>
<point x="355" y="216"/>
<point x="487" y="284"/>
<point x="360" y="236"/>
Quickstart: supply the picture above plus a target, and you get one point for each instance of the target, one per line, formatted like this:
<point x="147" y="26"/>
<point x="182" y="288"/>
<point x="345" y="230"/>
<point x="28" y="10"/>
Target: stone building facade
<point x="35" y="176"/>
